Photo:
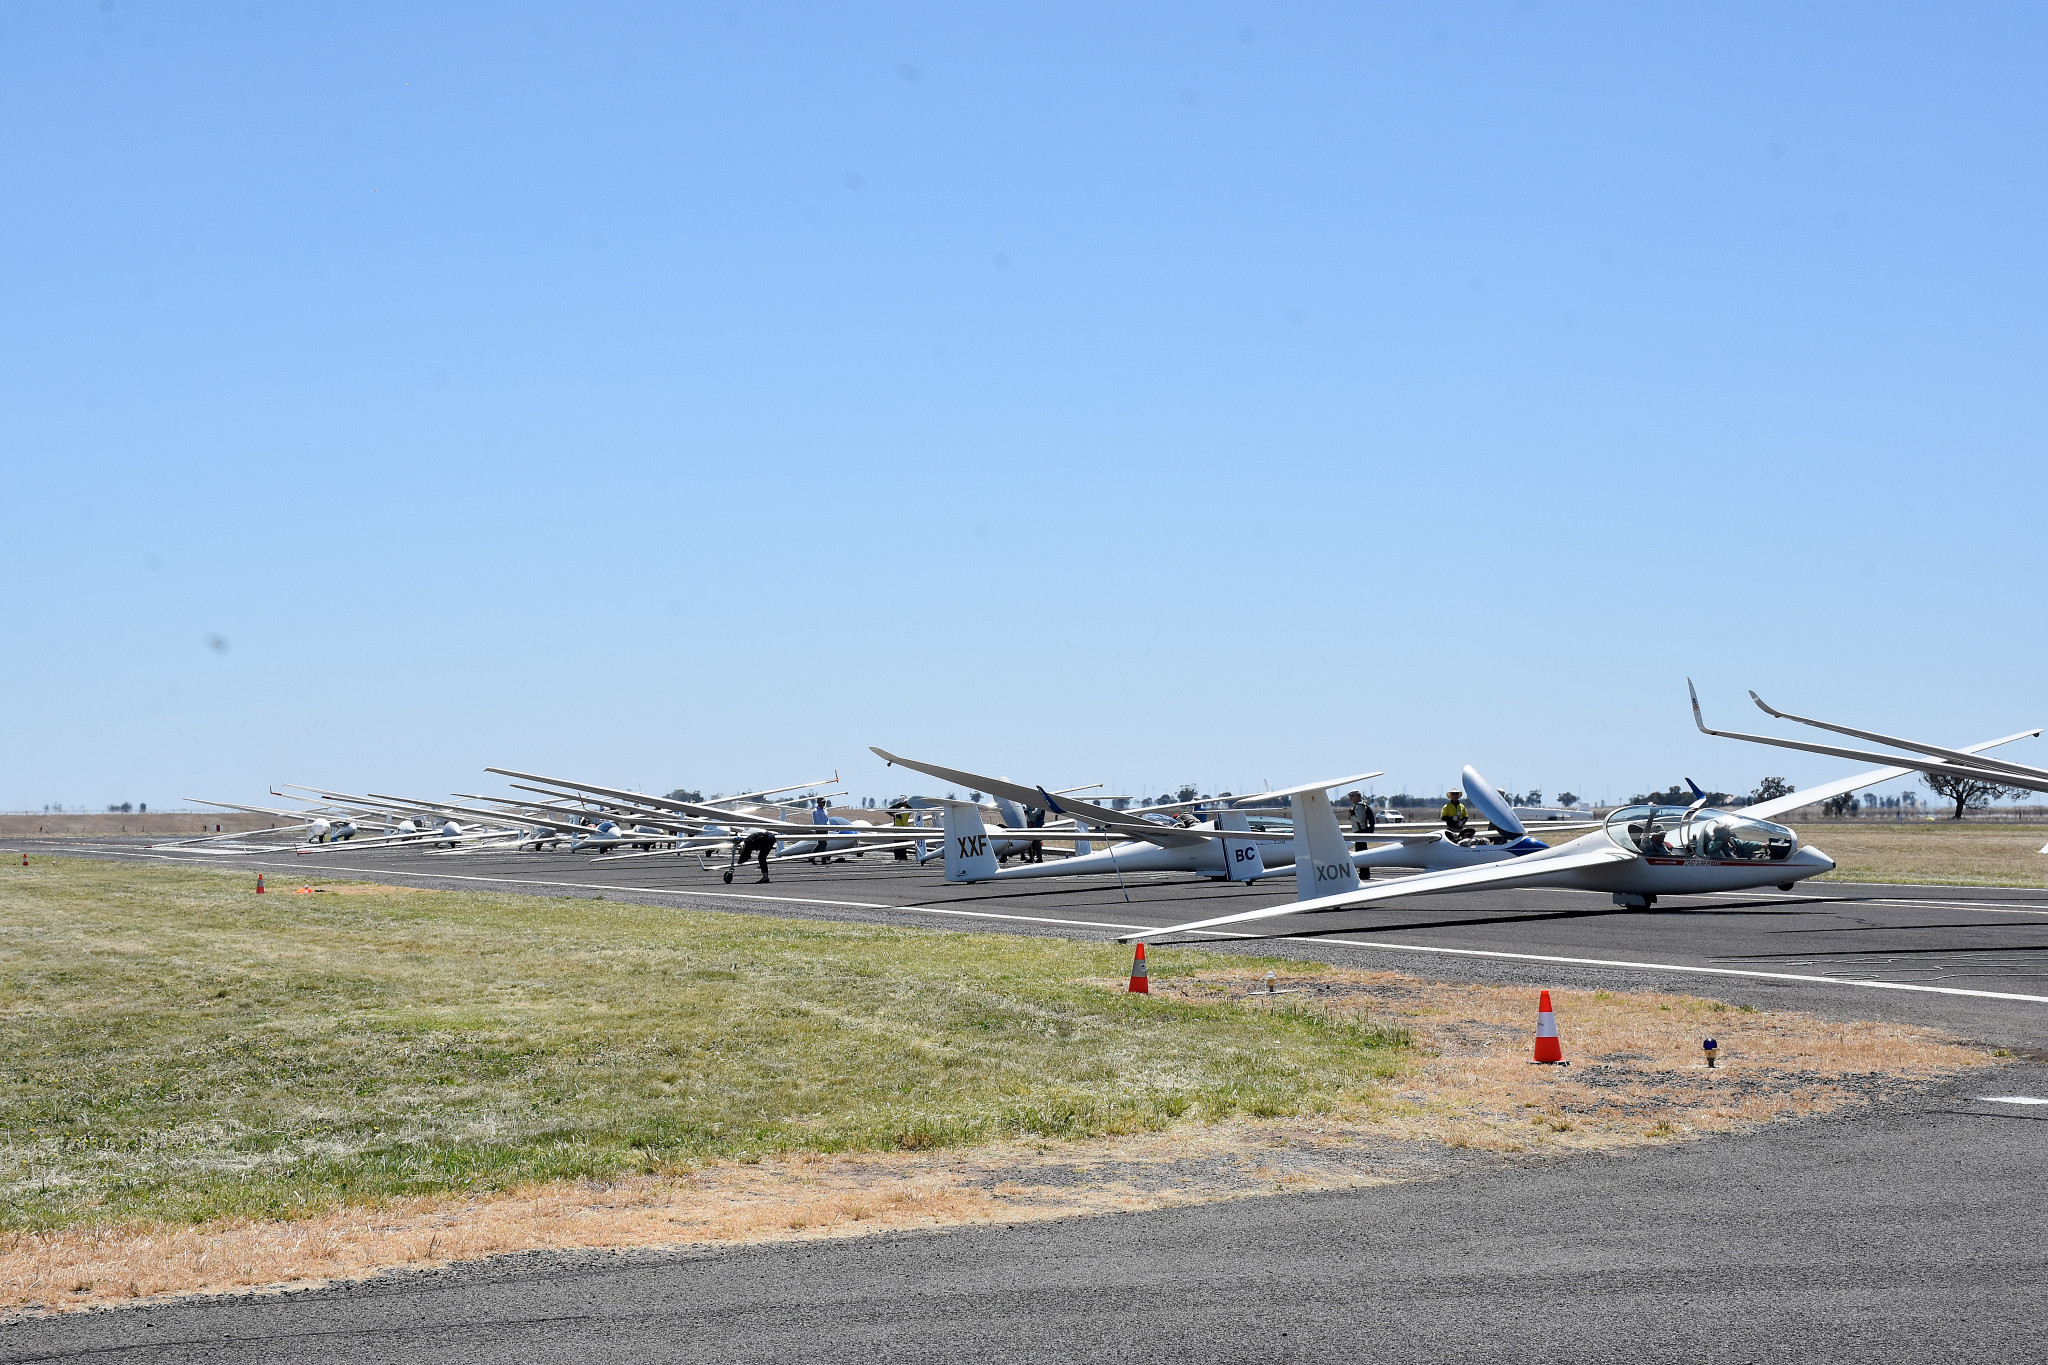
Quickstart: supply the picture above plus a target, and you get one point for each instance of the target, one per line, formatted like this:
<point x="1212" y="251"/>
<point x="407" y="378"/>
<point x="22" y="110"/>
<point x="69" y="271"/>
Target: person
<point x="902" y="821"/>
<point x="1034" y="818"/>
<point x="1361" y="814"/>
<point x="1362" y="821"/>
<point x="1455" y="814"/>
<point x="759" y="844"/>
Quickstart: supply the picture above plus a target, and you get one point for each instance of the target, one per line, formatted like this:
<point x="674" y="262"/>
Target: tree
<point x="1967" y="792"/>
<point x="685" y="794"/>
<point x="1678" y="794"/>
<point x="1567" y="799"/>
<point x="1770" y="789"/>
<point x="1187" y="793"/>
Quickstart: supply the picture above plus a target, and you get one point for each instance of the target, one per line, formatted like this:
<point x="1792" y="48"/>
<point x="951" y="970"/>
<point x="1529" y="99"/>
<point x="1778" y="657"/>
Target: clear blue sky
<point x="699" y="394"/>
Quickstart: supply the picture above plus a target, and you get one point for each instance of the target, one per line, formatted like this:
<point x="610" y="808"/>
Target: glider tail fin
<point x="969" y="855"/>
<point x="1322" y="859"/>
<point x="1241" y="857"/>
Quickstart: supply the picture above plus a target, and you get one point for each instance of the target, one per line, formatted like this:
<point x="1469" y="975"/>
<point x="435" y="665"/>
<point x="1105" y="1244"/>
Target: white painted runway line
<point x="1696" y="971"/>
<point x="1988" y="907"/>
<point x="2010" y="1099"/>
<point x="1819" y="901"/>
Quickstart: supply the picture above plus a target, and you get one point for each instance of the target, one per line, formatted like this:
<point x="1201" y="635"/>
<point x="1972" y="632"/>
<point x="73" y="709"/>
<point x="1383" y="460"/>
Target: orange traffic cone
<point x="1141" y="980"/>
<point x="259" y="883"/>
<point x="24" y="860"/>
<point x="1549" y="1051"/>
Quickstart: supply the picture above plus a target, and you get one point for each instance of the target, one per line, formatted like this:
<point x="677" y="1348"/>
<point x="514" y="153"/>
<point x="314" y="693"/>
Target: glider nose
<point x="1811" y="862"/>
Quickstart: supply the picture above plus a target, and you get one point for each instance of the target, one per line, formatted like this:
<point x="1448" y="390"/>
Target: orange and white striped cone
<point x="259" y="883"/>
<point x="1549" y="1051"/>
<point x="1141" y="978"/>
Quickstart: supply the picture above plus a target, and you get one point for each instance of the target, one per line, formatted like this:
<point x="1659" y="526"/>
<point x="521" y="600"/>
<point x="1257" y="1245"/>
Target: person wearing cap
<point x="1455" y="813"/>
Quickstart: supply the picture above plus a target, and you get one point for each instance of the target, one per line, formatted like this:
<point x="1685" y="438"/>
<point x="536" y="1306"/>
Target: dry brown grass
<point x="1638" y="1072"/>
<point x="1937" y="852"/>
<point x="807" y="1196"/>
<point x="1637" y="1078"/>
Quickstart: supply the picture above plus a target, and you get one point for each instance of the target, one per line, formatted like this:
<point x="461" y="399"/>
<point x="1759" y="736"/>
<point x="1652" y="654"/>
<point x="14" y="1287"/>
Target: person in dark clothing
<point x="759" y="844"/>
<point x="1361" y="823"/>
<point x="1034" y="818"/>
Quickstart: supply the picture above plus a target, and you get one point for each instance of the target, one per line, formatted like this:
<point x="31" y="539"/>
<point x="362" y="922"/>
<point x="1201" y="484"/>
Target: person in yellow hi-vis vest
<point x="1455" y="815"/>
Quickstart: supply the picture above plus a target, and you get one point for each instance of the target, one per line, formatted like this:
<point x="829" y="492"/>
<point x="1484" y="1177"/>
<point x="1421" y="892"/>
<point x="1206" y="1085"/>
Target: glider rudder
<point x="1322" y="857"/>
<point x="969" y="855"/>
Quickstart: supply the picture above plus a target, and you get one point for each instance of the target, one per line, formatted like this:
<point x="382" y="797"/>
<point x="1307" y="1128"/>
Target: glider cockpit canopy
<point x="1700" y="833"/>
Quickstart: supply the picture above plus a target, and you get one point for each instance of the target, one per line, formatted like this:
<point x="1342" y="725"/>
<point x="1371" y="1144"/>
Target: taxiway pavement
<point x="1906" y="1233"/>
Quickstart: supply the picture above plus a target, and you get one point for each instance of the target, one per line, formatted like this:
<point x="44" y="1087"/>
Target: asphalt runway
<point x="1907" y="1231"/>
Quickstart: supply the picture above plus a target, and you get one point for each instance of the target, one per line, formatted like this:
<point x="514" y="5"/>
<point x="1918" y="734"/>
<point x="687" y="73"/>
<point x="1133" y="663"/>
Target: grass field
<point x="1940" y="852"/>
<point x="174" y="1047"/>
<point x="206" y="1089"/>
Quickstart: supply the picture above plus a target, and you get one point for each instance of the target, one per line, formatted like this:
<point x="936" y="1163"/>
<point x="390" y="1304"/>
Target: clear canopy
<point x="1705" y="834"/>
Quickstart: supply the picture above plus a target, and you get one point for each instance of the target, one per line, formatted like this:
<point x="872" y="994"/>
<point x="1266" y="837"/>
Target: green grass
<point x="174" y="1047"/>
